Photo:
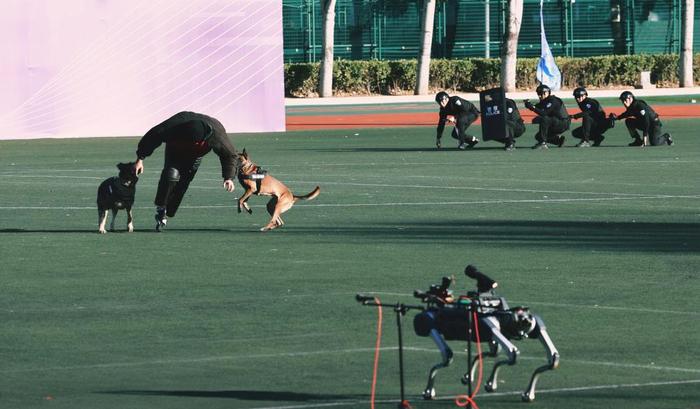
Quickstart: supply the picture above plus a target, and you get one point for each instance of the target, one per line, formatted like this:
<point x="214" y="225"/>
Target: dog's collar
<point x="257" y="174"/>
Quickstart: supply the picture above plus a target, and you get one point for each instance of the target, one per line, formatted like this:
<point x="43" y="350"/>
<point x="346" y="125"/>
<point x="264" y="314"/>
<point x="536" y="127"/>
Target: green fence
<point x="390" y="29"/>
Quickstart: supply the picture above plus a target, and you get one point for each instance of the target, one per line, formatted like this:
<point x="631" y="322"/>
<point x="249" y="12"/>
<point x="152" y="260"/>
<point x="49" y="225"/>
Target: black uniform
<point x="515" y="126"/>
<point x="552" y="118"/>
<point x="640" y="116"/>
<point x="188" y="136"/>
<point x="464" y="112"/>
<point x="594" y="122"/>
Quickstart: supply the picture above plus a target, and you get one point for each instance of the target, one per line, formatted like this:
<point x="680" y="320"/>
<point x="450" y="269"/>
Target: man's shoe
<point x="462" y="146"/>
<point x="598" y="141"/>
<point x="161" y="219"/>
<point x="669" y="140"/>
<point x="540" y="145"/>
<point x="472" y="142"/>
<point x="561" y="141"/>
<point x="583" y="144"/>
<point x="636" y="142"/>
<point x="510" y="147"/>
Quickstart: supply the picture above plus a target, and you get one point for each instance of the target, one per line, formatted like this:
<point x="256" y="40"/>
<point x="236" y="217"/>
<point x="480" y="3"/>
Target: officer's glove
<point x="528" y="104"/>
<point x="612" y="116"/>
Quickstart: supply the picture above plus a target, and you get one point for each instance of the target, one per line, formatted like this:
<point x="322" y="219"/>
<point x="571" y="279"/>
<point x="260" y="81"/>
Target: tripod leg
<point x="446" y="353"/>
<point x="552" y="359"/>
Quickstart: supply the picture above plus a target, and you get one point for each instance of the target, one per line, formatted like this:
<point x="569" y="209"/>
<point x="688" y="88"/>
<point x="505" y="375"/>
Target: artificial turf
<point x="601" y="242"/>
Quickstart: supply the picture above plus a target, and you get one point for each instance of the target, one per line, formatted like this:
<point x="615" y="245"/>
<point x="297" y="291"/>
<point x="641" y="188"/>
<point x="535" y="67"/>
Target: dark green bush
<point x="475" y="74"/>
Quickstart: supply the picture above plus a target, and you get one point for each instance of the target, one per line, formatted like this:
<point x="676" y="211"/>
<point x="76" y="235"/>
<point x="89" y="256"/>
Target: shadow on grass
<point x="604" y="236"/>
<point x="94" y="231"/>
<point x="242" y="395"/>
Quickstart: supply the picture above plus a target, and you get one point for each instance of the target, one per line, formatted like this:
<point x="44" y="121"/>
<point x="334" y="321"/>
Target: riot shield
<point x="493" y="114"/>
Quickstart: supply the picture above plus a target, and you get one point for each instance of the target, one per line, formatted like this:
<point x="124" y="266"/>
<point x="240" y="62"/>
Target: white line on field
<point x="306" y="165"/>
<point x="385" y="185"/>
<point x="487" y="395"/>
<point x="393" y="204"/>
<point x="574" y="361"/>
<point x="310" y="353"/>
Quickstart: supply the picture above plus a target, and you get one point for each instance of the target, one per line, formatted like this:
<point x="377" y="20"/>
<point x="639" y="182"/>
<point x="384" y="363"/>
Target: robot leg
<point x="492" y="352"/>
<point x="552" y="360"/>
<point x="511" y="351"/>
<point x="446" y="353"/>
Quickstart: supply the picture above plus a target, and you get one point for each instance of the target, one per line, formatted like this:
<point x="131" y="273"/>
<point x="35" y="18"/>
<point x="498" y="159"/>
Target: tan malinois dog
<point x="258" y="182"/>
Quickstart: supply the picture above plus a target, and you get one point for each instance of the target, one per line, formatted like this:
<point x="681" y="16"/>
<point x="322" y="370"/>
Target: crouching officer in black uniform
<point x="515" y="126"/>
<point x="552" y="118"/>
<point x="188" y="136"/>
<point x="594" y="122"/>
<point x="464" y="113"/>
<point x="640" y="116"/>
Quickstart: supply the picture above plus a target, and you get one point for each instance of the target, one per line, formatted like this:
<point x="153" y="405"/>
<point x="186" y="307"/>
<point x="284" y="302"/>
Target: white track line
<point x="386" y="185"/>
<point x="392" y="204"/>
<point x="310" y="353"/>
<point x="582" y="362"/>
<point x="487" y="395"/>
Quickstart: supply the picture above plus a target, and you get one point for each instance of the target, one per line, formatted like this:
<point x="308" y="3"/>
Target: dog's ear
<point x="244" y="154"/>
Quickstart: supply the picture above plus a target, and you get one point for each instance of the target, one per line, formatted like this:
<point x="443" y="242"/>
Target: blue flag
<point x="547" y="71"/>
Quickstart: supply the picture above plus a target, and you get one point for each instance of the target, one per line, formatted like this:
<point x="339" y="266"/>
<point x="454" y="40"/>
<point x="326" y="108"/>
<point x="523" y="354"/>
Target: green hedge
<point x="475" y="74"/>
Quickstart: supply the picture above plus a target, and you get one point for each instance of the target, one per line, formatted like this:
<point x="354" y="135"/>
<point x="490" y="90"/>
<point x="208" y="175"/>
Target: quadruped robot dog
<point x="478" y="316"/>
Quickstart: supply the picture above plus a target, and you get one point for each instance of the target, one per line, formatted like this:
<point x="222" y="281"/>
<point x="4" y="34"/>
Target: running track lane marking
<point x="595" y="199"/>
<point x="311" y="353"/>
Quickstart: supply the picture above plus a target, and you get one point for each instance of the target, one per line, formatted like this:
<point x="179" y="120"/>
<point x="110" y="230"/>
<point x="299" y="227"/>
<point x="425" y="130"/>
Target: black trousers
<point x="463" y="122"/>
<point x="550" y="128"/>
<point x="591" y="129"/>
<point x="655" y="136"/>
<point x="172" y="189"/>
<point x="514" y="129"/>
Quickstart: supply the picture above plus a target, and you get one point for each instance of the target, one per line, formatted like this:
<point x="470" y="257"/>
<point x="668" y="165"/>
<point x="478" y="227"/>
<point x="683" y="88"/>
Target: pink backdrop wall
<point x="75" y="68"/>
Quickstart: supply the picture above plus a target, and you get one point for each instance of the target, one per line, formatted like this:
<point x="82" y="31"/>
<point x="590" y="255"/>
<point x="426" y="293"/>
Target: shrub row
<point x="475" y="74"/>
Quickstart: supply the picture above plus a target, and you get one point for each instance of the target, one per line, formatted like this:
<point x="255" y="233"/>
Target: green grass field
<point x="603" y="243"/>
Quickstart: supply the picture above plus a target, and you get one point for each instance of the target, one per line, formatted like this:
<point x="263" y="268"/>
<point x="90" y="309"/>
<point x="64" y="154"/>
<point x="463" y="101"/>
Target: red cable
<point x="464" y="400"/>
<point x="376" y="352"/>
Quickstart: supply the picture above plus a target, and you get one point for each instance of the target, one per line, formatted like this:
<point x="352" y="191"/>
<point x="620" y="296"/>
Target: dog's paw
<point x="249" y="210"/>
<point x="102" y="231"/>
<point x="130" y="228"/>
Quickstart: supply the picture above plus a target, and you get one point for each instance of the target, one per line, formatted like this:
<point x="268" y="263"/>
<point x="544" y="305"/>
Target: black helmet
<point x="579" y="92"/>
<point x="440" y="96"/>
<point x="626" y="95"/>
<point x="541" y="89"/>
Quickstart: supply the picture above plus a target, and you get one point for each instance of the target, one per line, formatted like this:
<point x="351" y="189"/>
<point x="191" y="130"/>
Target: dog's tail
<point x="310" y="196"/>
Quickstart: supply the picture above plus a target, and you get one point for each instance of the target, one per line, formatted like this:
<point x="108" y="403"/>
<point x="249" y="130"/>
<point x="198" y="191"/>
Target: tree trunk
<point x="325" y="84"/>
<point x="423" y="77"/>
<point x="509" y="50"/>
<point x="686" y="60"/>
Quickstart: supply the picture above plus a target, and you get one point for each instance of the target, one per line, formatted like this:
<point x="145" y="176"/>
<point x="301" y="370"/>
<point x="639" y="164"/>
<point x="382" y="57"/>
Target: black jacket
<point x="551" y="106"/>
<point x="457" y="107"/>
<point x="641" y="111"/>
<point x="592" y="107"/>
<point x="512" y="112"/>
<point x="193" y="135"/>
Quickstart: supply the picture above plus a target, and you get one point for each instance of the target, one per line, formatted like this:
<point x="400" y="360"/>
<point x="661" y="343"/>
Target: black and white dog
<point x="117" y="193"/>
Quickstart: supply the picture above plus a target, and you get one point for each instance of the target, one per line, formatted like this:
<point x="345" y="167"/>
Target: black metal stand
<point x="400" y="310"/>
<point x="470" y="326"/>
